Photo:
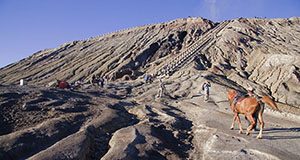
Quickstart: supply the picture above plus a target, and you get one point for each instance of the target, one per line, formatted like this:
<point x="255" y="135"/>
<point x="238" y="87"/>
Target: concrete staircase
<point x="187" y="56"/>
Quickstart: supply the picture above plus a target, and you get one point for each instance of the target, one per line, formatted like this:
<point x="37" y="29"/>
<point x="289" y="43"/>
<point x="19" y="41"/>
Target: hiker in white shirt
<point x="205" y="89"/>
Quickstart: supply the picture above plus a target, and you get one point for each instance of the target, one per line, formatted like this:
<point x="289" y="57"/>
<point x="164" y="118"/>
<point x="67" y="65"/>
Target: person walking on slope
<point x="101" y="82"/>
<point x="93" y="80"/>
<point x="250" y="91"/>
<point x="161" y="90"/>
<point x="205" y="89"/>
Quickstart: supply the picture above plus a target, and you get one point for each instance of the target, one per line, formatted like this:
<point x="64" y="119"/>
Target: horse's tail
<point x="267" y="100"/>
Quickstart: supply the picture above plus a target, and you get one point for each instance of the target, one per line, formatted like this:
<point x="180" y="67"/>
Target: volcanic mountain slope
<point x="125" y="120"/>
<point x="259" y="52"/>
<point x="116" y="54"/>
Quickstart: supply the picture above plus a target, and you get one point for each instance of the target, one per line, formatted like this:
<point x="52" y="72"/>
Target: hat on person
<point x="250" y="88"/>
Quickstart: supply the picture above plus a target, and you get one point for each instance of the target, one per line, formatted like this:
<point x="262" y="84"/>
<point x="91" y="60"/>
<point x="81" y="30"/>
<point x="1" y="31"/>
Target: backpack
<point x="203" y="86"/>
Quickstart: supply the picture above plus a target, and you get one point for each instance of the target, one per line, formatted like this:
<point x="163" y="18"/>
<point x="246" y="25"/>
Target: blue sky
<point x="27" y="26"/>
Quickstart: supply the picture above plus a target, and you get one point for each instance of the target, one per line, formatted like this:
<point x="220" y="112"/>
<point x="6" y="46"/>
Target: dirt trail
<point x="214" y="140"/>
<point x="128" y="121"/>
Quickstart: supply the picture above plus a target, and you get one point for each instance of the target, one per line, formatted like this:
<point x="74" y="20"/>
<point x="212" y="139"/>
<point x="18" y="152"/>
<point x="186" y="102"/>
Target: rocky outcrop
<point x="264" y="52"/>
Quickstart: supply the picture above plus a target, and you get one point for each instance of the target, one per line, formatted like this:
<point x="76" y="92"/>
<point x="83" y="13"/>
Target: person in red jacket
<point x="62" y="84"/>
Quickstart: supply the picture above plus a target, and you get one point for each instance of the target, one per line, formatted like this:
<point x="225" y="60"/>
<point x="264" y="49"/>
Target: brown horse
<point x="249" y="106"/>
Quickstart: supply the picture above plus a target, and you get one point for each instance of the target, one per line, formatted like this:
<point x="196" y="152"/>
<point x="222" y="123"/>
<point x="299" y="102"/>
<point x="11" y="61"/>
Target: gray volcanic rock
<point x="126" y="120"/>
<point x="128" y="52"/>
<point x="259" y="52"/>
<point x="268" y="51"/>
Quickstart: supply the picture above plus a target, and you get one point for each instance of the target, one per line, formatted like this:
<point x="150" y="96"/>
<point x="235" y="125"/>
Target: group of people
<point x="162" y="89"/>
<point x="205" y="90"/>
<point x="97" y="80"/>
<point x="63" y="84"/>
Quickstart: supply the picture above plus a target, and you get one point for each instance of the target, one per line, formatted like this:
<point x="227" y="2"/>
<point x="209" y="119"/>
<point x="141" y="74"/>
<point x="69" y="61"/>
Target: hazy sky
<point x="27" y="26"/>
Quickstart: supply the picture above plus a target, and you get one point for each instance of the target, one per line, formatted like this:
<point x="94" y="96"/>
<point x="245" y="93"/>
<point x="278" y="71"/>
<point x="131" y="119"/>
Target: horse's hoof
<point x="240" y="132"/>
<point x="231" y="128"/>
<point x="247" y="133"/>
<point x="259" y="137"/>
